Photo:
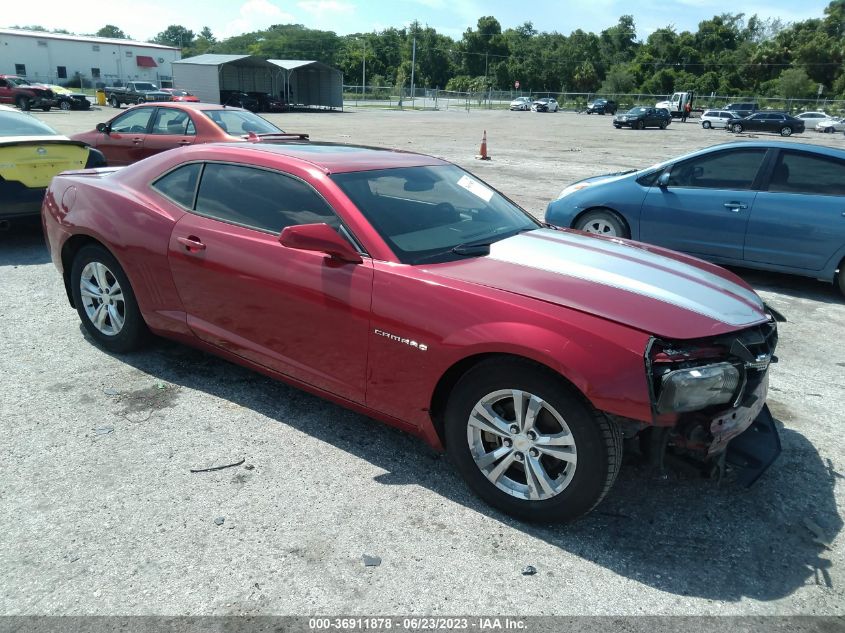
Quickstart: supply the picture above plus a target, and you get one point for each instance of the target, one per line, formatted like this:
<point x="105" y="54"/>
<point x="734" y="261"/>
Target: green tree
<point x="175" y="35"/>
<point x="795" y="84"/>
<point x="110" y="30"/>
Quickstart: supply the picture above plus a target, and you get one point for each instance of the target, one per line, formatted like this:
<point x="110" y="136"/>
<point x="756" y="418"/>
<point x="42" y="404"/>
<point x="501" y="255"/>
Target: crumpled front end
<point x="709" y="397"/>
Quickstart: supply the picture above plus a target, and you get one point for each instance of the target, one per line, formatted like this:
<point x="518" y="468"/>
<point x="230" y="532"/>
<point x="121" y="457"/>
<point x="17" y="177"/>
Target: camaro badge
<point x="420" y="346"/>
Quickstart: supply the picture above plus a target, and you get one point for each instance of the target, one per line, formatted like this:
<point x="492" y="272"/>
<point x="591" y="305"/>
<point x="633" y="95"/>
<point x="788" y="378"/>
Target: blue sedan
<point x="772" y="205"/>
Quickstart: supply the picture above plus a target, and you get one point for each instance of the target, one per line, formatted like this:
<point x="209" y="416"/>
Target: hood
<point x="659" y="292"/>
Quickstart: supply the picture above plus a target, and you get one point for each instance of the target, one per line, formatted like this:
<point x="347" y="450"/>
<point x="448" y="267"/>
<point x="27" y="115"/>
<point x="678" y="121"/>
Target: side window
<point x="806" y="173"/>
<point x="133" y="122"/>
<point x="260" y="199"/>
<point x="171" y="121"/>
<point x="180" y="185"/>
<point x="734" y="169"/>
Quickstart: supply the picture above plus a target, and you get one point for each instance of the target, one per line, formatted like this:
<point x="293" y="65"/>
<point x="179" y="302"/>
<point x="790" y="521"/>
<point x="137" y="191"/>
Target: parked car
<point x="176" y="94"/>
<point x="717" y="118"/>
<point x="268" y="103"/>
<point x="148" y="129"/>
<point x="641" y="117"/>
<point x="602" y="106"/>
<point x="239" y="99"/>
<point x="18" y="91"/>
<point x="830" y="126"/>
<point x="778" y="122"/>
<point x="401" y="286"/>
<point x="135" y="92"/>
<point x="69" y="100"/>
<point x="743" y="109"/>
<point x="31" y="153"/>
<point x="521" y="103"/>
<point x="770" y="205"/>
<point x="812" y="117"/>
<point x="546" y="104"/>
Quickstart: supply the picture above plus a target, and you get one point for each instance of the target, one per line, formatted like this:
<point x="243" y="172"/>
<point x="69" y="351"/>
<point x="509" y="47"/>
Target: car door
<point x="799" y="219"/>
<point x="704" y="206"/>
<point x="171" y="128"/>
<point x="6" y="95"/>
<point x="123" y="144"/>
<point x="297" y="312"/>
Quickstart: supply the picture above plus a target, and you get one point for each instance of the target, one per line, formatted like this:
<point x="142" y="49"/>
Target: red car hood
<point x="660" y="292"/>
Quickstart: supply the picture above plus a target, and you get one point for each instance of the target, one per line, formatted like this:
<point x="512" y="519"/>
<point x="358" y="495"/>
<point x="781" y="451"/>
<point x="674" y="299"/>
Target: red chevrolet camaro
<point x="144" y="130"/>
<point x="405" y="288"/>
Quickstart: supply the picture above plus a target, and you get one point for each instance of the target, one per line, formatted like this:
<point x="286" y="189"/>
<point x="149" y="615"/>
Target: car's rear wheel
<point x="786" y="131"/>
<point x="602" y="222"/>
<point x="46" y="108"/>
<point x="114" y="102"/>
<point x="23" y="103"/>
<point x="105" y="301"/>
<point x="64" y="105"/>
<point x="706" y="125"/>
<point x="527" y="443"/>
<point x="640" y="125"/>
<point x="840" y="277"/>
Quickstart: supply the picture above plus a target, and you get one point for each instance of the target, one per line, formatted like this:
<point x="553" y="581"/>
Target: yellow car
<point x="31" y="153"/>
<point x="69" y="100"/>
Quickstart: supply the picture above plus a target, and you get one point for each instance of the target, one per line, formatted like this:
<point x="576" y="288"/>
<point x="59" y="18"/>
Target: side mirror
<point x="663" y="180"/>
<point x="320" y="238"/>
<point x="103" y="128"/>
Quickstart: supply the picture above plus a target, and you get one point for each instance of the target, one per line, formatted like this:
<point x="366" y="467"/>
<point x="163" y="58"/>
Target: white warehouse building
<point x="57" y="58"/>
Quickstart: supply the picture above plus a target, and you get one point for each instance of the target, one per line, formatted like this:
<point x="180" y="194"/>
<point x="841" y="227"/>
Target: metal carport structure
<point x="206" y="75"/>
<point x="311" y="83"/>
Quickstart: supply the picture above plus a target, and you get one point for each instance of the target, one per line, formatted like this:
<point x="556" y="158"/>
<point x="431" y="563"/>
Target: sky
<point x="143" y="19"/>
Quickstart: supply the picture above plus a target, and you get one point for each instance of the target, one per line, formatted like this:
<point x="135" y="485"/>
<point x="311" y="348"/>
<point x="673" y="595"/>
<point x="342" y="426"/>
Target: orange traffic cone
<point x="482" y="153"/>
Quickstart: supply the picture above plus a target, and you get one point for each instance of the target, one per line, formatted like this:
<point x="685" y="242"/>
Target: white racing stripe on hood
<point x="634" y="270"/>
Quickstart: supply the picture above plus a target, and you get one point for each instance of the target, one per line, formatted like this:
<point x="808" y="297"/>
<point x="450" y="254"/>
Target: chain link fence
<point x="436" y="99"/>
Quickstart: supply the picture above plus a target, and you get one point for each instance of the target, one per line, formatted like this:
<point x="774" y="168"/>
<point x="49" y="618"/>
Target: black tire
<point x="597" y="441"/>
<point x="596" y="218"/>
<point x="737" y="128"/>
<point x="64" y="105"/>
<point x="663" y="125"/>
<point x="786" y="131"/>
<point x="828" y="130"/>
<point x="617" y="126"/>
<point x="46" y="108"/>
<point x="23" y="103"/>
<point x="706" y="125"/>
<point x="640" y="125"/>
<point x="114" y="102"/>
<point x="140" y="100"/>
<point x="840" y="277"/>
<point x="133" y="331"/>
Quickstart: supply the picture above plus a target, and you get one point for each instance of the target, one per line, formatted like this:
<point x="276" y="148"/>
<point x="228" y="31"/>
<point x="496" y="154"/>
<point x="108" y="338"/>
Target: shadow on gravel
<point x="685" y="536"/>
<point x="22" y="244"/>
<point x="791" y="285"/>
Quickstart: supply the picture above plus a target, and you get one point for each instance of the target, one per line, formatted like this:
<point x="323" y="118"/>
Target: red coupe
<point x="181" y="95"/>
<point x="144" y="130"/>
<point x="405" y="288"/>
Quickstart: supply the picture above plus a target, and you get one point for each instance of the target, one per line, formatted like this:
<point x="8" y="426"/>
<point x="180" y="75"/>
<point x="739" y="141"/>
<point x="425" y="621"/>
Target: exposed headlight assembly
<point x="697" y="388"/>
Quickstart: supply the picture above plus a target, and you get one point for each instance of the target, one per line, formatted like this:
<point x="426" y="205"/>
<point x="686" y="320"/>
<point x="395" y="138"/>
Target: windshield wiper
<point x="470" y="249"/>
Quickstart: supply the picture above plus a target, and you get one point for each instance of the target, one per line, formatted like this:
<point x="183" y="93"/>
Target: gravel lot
<point x="103" y="516"/>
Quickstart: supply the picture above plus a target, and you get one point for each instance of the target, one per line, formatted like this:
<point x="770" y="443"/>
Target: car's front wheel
<point x="602" y="222"/>
<point x="105" y="301"/>
<point x="640" y="125"/>
<point x="114" y="102"/>
<point x="706" y="125"/>
<point x="527" y="443"/>
<point x="737" y="128"/>
<point x="786" y="131"/>
<point x="64" y="105"/>
<point x="664" y="125"/>
<point x="840" y="277"/>
<point x="23" y="103"/>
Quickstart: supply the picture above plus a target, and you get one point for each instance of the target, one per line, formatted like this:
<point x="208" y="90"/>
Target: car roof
<point x="333" y="157"/>
<point x="188" y="105"/>
<point x="806" y="147"/>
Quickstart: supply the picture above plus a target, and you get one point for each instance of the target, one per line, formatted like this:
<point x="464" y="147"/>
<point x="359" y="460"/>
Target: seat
<point x="780" y="178"/>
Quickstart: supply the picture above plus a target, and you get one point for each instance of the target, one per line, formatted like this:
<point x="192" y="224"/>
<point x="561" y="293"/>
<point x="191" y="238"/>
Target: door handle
<point x="137" y="141"/>
<point x="183" y="142"/>
<point x="735" y="206"/>
<point x="191" y="243"/>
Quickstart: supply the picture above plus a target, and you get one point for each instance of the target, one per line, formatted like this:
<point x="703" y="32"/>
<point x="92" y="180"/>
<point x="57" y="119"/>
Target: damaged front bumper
<point x="751" y="452"/>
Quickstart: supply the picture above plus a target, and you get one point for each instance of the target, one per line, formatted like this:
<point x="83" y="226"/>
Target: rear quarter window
<point x="180" y="185"/>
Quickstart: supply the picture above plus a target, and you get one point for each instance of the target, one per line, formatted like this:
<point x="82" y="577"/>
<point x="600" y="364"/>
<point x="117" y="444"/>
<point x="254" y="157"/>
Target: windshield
<point x="19" y="124"/>
<point x="180" y="93"/>
<point x="423" y="213"/>
<point x="140" y="85"/>
<point x="638" y="110"/>
<point x="17" y="81"/>
<point x="241" y="122"/>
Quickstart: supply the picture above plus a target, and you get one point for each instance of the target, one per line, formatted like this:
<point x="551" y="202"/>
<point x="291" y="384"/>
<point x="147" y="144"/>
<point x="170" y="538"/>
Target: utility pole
<point x="364" y="70"/>
<point x="413" y="63"/>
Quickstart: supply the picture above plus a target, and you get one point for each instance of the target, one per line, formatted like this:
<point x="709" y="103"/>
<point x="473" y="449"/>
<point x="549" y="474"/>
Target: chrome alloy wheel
<point x="521" y="444"/>
<point x="102" y="298"/>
